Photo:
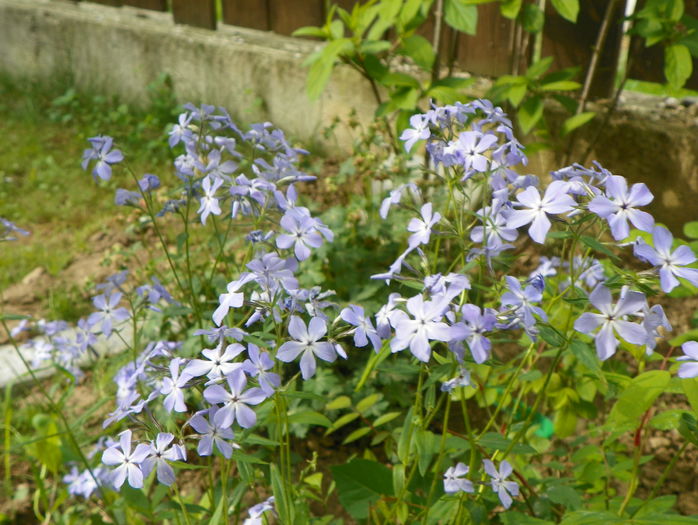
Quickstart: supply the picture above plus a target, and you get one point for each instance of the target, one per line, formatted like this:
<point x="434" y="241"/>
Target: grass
<point x="42" y="186"/>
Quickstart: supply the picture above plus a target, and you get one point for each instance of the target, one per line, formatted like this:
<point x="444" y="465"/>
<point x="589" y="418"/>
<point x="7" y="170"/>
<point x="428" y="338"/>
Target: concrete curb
<point x="14" y="371"/>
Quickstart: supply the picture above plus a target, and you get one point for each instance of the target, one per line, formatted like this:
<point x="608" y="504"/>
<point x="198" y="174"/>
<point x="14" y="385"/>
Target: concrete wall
<point x="255" y="75"/>
<point x="259" y="76"/>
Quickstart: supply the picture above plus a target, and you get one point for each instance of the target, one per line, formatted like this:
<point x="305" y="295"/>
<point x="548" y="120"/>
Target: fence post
<point x="247" y="13"/>
<point x="573" y="44"/>
<point x="199" y="13"/>
<point x="489" y="51"/>
<point x="153" y="5"/>
<point x="289" y="15"/>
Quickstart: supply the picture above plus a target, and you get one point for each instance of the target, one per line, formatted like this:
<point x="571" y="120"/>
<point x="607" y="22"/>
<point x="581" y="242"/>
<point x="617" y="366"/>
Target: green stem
<point x="442" y="450"/>
<point x="539" y="398"/>
<point x="632" y="487"/>
<point x="507" y="389"/>
<point x="667" y="471"/>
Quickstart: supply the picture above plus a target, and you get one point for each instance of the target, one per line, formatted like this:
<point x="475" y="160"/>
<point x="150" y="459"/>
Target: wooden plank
<point x="647" y="63"/>
<point x="572" y="44"/>
<point x="153" y="5"/>
<point x="247" y="13"/>
<point x="489" y="52"/>
<point x="448" y="36"/>
<point x="197" y="13"/>
<point x="113" y="3"/>
<point x="289" y="15"/>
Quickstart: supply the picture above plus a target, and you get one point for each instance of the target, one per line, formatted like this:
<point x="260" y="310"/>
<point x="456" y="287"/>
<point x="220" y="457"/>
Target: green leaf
<point x="636" y="399"/>
<point x="336" y="29"/>
<point x="517" y="518"/>
<point x="218" y="514"/>
<point x="568" y="9"/>
<point x="538" y="68"/>
<point x="385" y="418"/>
<point x="418" y="49"/>
<point x="510" y="8"/>
<point x="530" y="113"/>
<point x="461" y="16"/>
<point x="688" y="428"/>
<point x="309" y="417"/>
<point x="690" y="388"/>
<point x="404" y="98"/>
<point x="551" y="336"/>
<point x="361" y="483"/>
<point x="344" y="420"/>
<point x="586" y="355"/>
<point x="399" y="79"/>
<point x="690" y="335"/>
<point x="13" y="317"/>
<point x="339" y="403"/>
<point x="321" y="68"/>
<point x="597" y="246"/>
<point x="564" y="495"/>
<point x="313" y="31"/>
<point x="678" y="65"/>
<point x="367" y="402"/>
<point x="409" y="10"/>
<point x="690" y="229"/>
<point x="374" y="47"/>
<point x="675" y="9"/>
<point x="565" y="422"/>
<point x="445" y="510"/>
<point x="494" y="441"/>
<point x="282" y="503"/>
<point x="667" y="420"/>
<point x="586" y="517"/>
<point x="532" y="18"/>
<point x="427" y="446"/>
<point x="561" y="85"/>
<point x="576" y="121"/>
<point x="356" y="434"/>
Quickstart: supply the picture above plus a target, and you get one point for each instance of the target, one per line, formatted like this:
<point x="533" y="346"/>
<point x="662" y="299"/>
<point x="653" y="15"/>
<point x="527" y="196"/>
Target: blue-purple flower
<point x="670" y="264"/>
<point x="416" y="333"/>
<point x="521" y="303"/>
<point x="108" y="314"/>
<point x="354" y="315"/>
<point x="421" y="227"/>
<point x="172" y="387"/>
<point x="689" y="367"/>
<point x="504" y="489"/>
<point x="212" y="433"/>
<point x="209" y="202"/>
<point x="128" y="463"/>
<point x="307" y="342"/>
<point x="302" y="234"/>
<point x="7" y="228"/>
<point x="455" y="480"/>
<point x="101" y="152"/>
<point x="477" y="323"/>
<point x="161" y="453"/>
<point x="612" y="320"/>
<point x="555" y="201"/>
<point x="618" y="206"/>
<point x="235" y="401"/>
<point x="418" y="130"/>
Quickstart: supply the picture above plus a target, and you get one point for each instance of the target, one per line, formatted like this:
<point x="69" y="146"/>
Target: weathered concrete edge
<point x="255" y="75"/>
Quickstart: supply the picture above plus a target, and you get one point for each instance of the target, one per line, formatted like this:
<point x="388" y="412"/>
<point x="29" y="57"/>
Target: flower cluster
<point x="216" y="385"/>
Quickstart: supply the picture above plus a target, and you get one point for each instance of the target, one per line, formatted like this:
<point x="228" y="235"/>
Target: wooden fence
<point x="499" y="47"/>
